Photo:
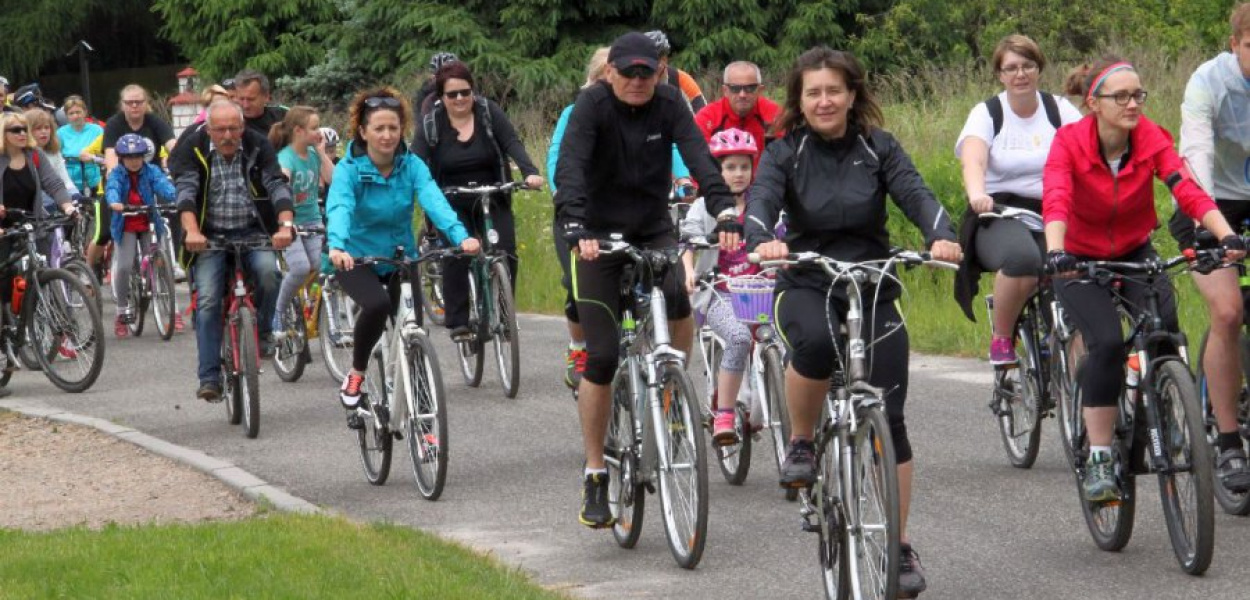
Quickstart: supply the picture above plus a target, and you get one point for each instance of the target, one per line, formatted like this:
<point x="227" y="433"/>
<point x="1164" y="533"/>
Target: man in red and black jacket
<point x="741" y="106"/>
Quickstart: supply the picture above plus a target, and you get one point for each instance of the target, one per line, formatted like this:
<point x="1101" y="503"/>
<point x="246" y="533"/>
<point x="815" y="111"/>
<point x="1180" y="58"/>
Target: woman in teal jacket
<point x="369" y="212"/>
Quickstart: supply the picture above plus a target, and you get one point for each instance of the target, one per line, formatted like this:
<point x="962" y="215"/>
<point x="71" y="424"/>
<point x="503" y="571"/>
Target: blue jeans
<point x="213" y="280"/>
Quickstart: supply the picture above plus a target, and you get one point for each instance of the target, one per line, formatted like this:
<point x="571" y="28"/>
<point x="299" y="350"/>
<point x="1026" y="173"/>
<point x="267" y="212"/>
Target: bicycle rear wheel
<point x="338" y="325"/>
<point x="249" y="372"/>
<point x="1233" y="503"/>
<point x="504" y="330"/>
<point x="626" y="494"/>
<point x="290" y="353"/>
<point x="164" y="302"/>
<point x="1185" y="491"/>
<point x="65" y="331"/>
<point x="683" y="483"/>
<point x="427" y="418"/>
<point x="1018" y="399"/>
<point x="431" y="281"/>
<point x="872" y="540"/>
<point x="376" y="442"/>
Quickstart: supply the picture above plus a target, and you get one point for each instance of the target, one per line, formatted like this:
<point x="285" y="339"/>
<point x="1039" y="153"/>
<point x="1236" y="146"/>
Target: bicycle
<point x="1022" y="395"/>
<point x="405" y="360"/>
<point x="1159" y="426"/>
<point x="431" y="275"/>
<point x="299" y="319"/>
<point x="51" y="312"/>
<point x="654" y="433"/>
<point x="152" y="276"/>
<point x="240" y="357"/>
<point x="855" y="498"/>
<point x="492" y="305"/>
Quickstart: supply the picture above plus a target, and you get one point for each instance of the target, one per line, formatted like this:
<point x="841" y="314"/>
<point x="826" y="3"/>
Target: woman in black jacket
<point x="467" y="139"/>
<point x="831" y="173"/>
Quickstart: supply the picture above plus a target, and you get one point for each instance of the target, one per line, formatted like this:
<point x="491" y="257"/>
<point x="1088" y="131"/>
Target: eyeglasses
<point x="453" y="94"/>
<point x="1123" y="97"/>
<point x="1013" y="70"/>
<point x="748" y="88"/>
<point x="16" y="130"/>
<point x="227" y="129"/>
<point x="134" y="102"/>
<point x="380" y="101"/>
<point x="637" y="72"/>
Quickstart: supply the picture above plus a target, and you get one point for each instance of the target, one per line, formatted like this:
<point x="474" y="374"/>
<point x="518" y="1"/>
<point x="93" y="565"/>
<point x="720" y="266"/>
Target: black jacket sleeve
<point x="908" y="189"/>
<point x="273" y="179"/>
<point x="767" y="195"/>
<point x="573" y="167"/>
<point x="694" y="151"/>
<point x="508" y="140"/>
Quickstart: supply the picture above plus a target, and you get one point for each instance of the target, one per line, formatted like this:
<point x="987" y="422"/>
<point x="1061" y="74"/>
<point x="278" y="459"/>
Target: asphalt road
<point x="984" y="530"/>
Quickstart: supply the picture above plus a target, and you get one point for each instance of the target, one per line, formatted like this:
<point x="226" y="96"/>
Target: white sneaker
<point x="180" y="275"/>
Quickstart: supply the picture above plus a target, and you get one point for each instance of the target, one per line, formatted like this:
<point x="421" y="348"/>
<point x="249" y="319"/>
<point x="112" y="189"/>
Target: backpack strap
<point x="1049" y="104"/>
<point x="428" y="126"/>
<point x="995" y="106"/>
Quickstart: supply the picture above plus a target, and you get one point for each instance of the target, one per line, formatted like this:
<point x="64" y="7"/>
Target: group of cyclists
<point x="810" y="175"/>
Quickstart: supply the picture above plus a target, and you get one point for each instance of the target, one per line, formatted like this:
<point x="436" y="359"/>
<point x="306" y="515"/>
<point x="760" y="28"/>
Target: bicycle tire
<point x="877" y="499"/>
<point x="1188" y="505"/>
<point x="431" y="283"/>
<point x="427" y="416"/>
<point x="164" y="300"/>
<point x="830" y="514"/>
<point x="56" y="329"/>
<point x="230" y="391"/>
<point x="138" y="297"/>
<point x="1064" y="388"/>
<point x="249" y="372"/>
<point x="1018" y="399"/>
<point x="734" y="459"/>
<point x="1110" y="524"/>
<point x="627" y="495"/>
<point x="777" y="418"/>
<point x="290" y="352"/>
<point x="78" y="267"/>
<point x="505" y="333"/>
<point x="1233" y="503"/>
<point x="685" y="525"/>
<point x="337" y="330"/>
<point x="376" y="443"/>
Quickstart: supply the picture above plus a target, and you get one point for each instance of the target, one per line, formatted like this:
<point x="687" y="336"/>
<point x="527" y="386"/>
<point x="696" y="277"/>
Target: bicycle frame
<point x="481" y="264"/>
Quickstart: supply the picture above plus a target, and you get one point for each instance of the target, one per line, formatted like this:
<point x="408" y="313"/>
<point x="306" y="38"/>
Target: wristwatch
<point x="290" y="224"/>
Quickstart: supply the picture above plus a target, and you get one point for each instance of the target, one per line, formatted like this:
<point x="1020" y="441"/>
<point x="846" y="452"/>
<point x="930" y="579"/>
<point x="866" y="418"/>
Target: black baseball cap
<point x="634" y="49"/>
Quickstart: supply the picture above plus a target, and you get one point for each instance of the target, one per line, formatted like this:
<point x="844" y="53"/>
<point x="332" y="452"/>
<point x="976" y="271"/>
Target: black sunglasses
<point x="746" y="87"/>
<point x="453" y="94"/>
<point x="637" y="72"/>
<point x="382" y="101"/>
<point x="16" y="130"/>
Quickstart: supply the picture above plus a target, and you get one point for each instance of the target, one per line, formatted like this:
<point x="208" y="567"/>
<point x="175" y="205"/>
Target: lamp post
<point x="82" y="48"/>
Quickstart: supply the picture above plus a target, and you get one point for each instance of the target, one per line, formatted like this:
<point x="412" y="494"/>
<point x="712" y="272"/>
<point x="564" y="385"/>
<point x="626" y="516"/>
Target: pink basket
<point x="751" y="298"/>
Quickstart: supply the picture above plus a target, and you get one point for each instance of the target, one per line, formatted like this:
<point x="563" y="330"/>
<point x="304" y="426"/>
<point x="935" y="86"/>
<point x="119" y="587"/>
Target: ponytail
<point x="280" y="133"/>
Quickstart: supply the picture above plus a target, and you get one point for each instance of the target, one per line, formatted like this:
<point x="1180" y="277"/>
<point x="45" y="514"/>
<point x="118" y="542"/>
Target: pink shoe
<point x="66" y="352"/>
<point x="1002" y="351"/>
<point x="723" y="431"/>
<point x="119" y="327"/>
<point x="178" y="324"/>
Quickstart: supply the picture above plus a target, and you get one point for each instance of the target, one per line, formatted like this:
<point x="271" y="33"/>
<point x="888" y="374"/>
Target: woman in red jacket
<point x="1098" y="203"/>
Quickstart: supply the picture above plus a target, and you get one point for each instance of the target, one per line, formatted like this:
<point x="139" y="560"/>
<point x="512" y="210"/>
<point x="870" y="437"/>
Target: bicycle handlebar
<point x="906" y="257"/>
<point x="402" y="261"/>
<point x="219" y="242"/>
<point x="483" y="190"/>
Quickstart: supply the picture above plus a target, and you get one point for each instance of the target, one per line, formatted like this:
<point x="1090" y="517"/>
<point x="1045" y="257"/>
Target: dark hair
<point x="245" y="78"/>
<point x="865" y="113"/>
<point x="1239" y="20"/>
<point x="280" y="133"/>
<point x="452" y="70"/>
<point x="1019" y="44"/>
<point x="1079" y="79"/>
<point x="358" y="113"/>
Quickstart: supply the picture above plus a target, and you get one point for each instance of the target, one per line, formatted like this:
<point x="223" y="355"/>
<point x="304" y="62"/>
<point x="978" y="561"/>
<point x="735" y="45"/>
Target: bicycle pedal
<point x="808" y="526"/>
<point x="650" y="487"/>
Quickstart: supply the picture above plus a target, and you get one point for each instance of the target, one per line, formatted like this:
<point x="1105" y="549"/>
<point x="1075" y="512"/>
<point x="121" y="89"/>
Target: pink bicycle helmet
<point x="733" y="141"/>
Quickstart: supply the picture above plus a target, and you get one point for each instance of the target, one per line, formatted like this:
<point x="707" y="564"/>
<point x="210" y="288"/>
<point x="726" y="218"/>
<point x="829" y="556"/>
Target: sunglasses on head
<point x="382" y="101"/>
<point x="16" y="130"/>
<point x="738" y="89"/>
<point x="453" y="94"/>
<point x="637" y="72"/>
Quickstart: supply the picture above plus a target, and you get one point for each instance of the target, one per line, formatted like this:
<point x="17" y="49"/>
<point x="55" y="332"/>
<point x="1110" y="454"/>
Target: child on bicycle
<point x="736" y="150"/>
<point x="139" y="183"/>
<point x="304" y="160"/>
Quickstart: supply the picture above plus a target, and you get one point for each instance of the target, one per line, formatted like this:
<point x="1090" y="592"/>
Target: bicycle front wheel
<point x="683" y="470"/>
<point x="376" y="442"/>
<point x="1018" y="399"/>
<point x="872" y="540"/>
<point x="504" y="331"/>
<point x="139" y="298"/>
<point x="65" y="331"/>
<point x="290" y="353"/>
<point x="338" y="329"/>
<point x="427" y="418"/>
<point x="1233" y="503"/>
<point x="776" y="413"/>
<point x="78" y="268"/>
<point x="249" y="372"/>
<point x="1066" y="362"/>
<point x="627" y="494"/>
<point x="830" y="506"/>
<point x="431" y="282"/>
<point x="1185" y="489"/>
<point x="164" y="303"/>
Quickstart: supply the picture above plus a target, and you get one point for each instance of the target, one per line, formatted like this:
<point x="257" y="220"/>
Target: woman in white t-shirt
<point x="1002" y="148"/>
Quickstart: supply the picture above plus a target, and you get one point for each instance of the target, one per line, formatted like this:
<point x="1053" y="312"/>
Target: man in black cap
<point x="613" y="177"/>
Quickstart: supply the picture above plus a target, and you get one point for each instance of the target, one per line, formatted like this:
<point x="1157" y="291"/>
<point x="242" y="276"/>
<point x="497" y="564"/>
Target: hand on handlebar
<point x="341" y="260"/>
<point x="1060" y="264"/>
<point x="471" y="246"/>
<point x="283" y="238"/>
<point x="534" y="182"/>
<point x="1234" y="248"/>
<point x="981" y="203"/>
<point x="117" y="207"/>
<point x="946" y="251"/>
<point x="195" y="241"/>
<point x="774" y="250"/>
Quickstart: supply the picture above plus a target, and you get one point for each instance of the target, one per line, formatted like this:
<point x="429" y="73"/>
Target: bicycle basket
<point x="751" y="298"/>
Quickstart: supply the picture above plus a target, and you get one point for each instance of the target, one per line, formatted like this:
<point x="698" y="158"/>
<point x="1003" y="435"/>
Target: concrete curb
<point x="251" y="486"/>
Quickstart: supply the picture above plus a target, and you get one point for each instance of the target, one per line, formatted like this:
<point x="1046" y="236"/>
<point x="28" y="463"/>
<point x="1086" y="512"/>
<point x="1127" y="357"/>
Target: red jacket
<point x="718" y="116"/>
<point x="1108" y="216"/>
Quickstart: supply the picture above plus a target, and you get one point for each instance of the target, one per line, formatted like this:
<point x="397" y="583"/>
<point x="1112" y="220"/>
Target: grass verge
<point x="279" y="556"/>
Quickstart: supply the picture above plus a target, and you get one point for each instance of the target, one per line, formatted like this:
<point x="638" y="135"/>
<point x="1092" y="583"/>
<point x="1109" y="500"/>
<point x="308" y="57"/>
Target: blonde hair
<point x="9" y="119"/>
<point x="75" y="101"/>
<point x="36" y="118"/>
<point x="134" y="87"/>
<point x="211" y="92"/>
<point x="598" y="64"/>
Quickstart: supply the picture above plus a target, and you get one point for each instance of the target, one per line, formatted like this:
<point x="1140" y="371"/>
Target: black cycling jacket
<point x="834" y="195"/>
<point x="615" y="166"/>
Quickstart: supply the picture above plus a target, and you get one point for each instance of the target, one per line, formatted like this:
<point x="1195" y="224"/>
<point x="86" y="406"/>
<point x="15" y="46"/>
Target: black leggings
<point x="598" y="293"/>
<point x="566" y="259"/>
<point x="1007" y="245"/>
<point x="1092" y="310"/>
<point x="378" y="299"/>
<point x="805" y="319"/>
<point x="456" y="270"/>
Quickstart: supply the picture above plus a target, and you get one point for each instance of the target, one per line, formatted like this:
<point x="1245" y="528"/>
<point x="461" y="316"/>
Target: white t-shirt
<point x="1018" y="153"/>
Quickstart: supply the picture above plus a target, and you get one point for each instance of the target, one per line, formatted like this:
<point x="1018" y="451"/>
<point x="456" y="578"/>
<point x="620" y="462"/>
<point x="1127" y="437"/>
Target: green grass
<point x="280" y="556"/>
